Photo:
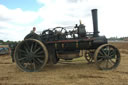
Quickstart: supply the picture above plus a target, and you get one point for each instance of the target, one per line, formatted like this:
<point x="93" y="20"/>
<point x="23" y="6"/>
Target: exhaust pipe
<point x="95" y="23"/>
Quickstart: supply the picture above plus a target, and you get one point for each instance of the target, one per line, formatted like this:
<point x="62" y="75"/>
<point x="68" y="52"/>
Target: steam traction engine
<point x="35" y="51"/>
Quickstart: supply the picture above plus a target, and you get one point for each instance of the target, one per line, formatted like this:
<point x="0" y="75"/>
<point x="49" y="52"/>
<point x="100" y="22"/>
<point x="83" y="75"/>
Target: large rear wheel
<point x="31" y="55"/>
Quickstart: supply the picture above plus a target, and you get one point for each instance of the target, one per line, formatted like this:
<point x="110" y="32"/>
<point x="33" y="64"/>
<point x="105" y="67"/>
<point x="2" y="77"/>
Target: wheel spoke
<point x="99" y="60"/>
<point x="91" y="60"/>
<point x="100" y="56"/>
<point x="22" y="50"/>
<point x="41" y="56"/>
<point x="23" y="55"/>
<point x="112" y="53"/>
<point x="37" y="50"/>
<point x="108" y="50"/>
<point x="35" y="46"/>
<point x="31" y="66"/>
<point x="27" y="51"/>
<point x="31" y="48"/>
<point x="112" y="61"/>
<point x="104" y="52"/>
<point x="36" y="62"/>
<point x="41" y="52"/>
<point x="25" y="65"/>
<point x="34" y="66"/>
<point x="26" y="45"/>
<point x="39" y="60"/>
<point x="22" y="58"/>
<point x="28" y="66"/>
<point x="101" y="53"/>
<point x="106" y="63"/>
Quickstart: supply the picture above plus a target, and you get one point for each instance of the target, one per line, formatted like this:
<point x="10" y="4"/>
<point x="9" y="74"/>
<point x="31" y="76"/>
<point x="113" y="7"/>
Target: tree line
<point x="2" y="42"/>
<point x="118" y="38"/>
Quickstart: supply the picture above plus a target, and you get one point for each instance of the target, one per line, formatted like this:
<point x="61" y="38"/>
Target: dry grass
<point x="77" y="72"/>
<point x="120" y="45"/>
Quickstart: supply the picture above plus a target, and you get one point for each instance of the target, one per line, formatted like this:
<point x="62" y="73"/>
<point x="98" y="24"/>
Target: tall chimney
<point x="95" y="23"/>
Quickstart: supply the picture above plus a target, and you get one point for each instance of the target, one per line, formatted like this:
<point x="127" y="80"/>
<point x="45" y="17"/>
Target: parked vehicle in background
<point x="4" y="50"/>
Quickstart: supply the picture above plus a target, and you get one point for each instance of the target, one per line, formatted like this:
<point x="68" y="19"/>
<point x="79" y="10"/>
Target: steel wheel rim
<point x="31" y="55"/>
<point x="107" y="57"/>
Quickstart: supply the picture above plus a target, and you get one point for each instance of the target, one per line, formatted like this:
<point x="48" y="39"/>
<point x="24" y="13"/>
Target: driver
<point x="33" y="30"/>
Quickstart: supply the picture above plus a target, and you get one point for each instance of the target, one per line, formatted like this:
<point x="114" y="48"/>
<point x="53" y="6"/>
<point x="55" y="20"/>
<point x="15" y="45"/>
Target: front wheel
<point x="107" y="57"/>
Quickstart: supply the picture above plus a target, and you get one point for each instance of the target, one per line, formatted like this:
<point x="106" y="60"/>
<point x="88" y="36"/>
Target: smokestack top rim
<point x="94" y="9"/>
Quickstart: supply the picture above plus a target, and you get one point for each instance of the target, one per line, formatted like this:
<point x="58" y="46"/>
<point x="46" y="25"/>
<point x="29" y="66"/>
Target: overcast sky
<point x="17" y="17"/>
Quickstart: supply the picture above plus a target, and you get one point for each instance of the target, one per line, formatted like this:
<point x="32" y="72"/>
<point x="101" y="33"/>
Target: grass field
<point x="76" y="72"/>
